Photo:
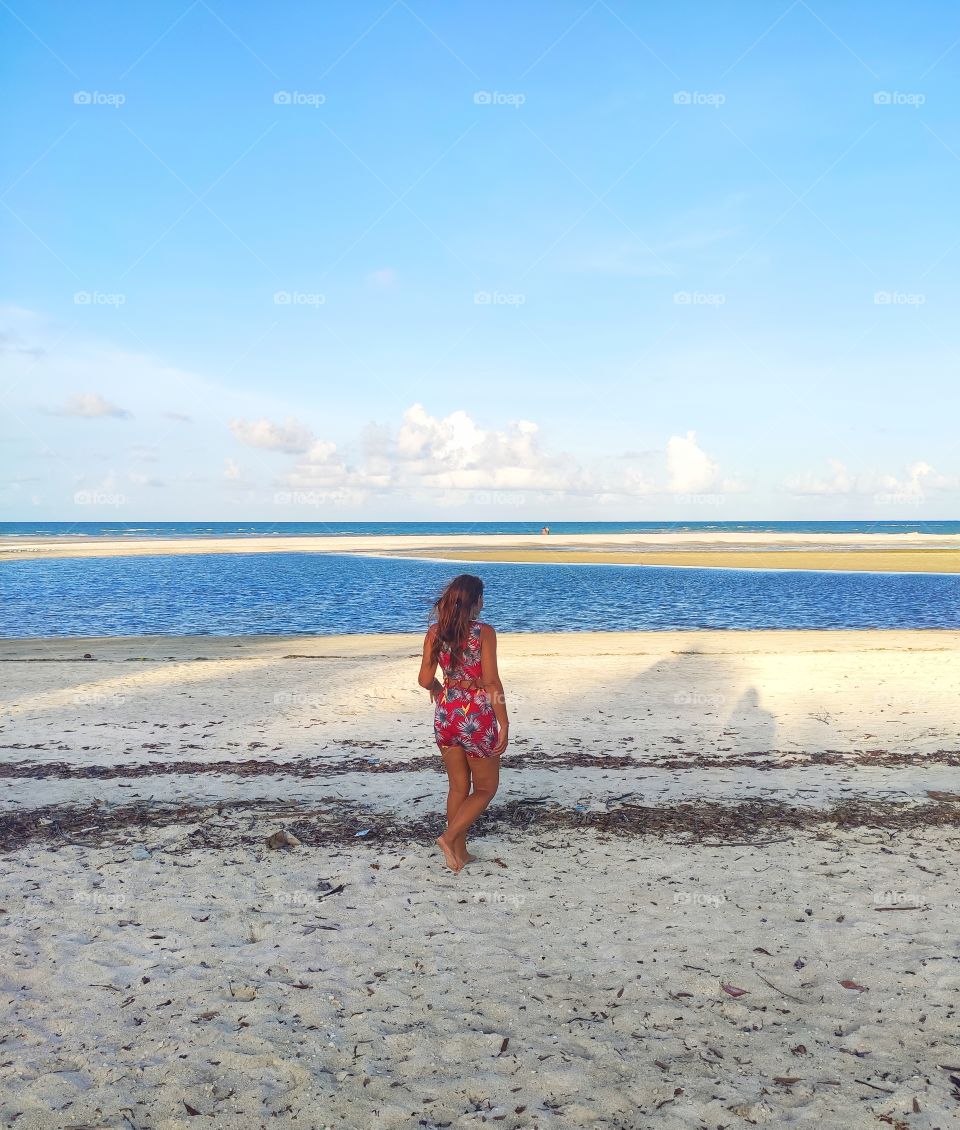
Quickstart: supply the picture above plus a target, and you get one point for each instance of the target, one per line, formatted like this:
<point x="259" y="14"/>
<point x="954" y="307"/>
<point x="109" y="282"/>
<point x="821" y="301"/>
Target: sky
<point x="422" y="260"/>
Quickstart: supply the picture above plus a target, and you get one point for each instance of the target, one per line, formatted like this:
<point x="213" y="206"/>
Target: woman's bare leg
<point x="458" y="782"/>
<point x="485" y="772"/>
<point x="460" y="849"/>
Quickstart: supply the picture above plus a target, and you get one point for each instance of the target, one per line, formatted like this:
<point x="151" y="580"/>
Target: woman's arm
<point x="428" y="668"/>
<point x="492" y="684"/>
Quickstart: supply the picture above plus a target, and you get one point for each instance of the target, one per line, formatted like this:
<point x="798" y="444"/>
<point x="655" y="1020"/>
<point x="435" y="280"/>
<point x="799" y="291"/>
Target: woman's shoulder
<point x="483" y="628"/>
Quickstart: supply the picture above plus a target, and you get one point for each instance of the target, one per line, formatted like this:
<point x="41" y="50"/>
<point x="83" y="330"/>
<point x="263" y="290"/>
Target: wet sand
<point x="860" y="552"/>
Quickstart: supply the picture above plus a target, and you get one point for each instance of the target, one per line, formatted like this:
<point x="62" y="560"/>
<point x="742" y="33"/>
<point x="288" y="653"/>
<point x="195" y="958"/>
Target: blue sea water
<point x="307" y="593"/>
<point x="343" y="529"/>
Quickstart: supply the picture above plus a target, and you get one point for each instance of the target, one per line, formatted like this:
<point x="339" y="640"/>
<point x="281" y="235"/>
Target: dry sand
<point x="679" y="812"/>
<point x="880" y="552"/>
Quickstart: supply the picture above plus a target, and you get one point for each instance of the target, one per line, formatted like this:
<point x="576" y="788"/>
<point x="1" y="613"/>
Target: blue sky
<point x="445" y="260"/>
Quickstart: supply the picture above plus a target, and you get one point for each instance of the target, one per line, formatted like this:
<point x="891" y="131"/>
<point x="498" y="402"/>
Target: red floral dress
<point x="464" y="716"/>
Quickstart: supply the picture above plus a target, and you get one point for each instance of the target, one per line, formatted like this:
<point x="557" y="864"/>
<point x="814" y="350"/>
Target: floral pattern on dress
<point x="463" y="716"/>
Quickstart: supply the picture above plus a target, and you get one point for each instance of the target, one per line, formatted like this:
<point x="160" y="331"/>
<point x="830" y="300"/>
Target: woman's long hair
<point x="452" y="610"/>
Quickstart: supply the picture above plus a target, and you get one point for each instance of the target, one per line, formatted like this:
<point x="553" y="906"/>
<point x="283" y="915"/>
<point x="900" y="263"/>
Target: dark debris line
<point x="336" y="822"/>
<point x="763" y="761"/>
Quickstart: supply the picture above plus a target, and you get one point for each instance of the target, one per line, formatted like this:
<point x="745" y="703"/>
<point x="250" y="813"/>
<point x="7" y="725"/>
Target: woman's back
<point x="469" y="665"/>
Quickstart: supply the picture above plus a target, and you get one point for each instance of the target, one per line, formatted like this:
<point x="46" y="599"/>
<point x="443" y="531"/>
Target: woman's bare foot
<point x="448" y="854"/>
<point x="460" y="851"/>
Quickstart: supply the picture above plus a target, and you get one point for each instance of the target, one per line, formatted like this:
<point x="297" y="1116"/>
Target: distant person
<point x="545" y="530"/>
<point x="470" y="721"/>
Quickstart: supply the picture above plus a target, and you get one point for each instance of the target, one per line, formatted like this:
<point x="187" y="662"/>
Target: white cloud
<point x="231" y="470"/>
<point x="91" y="406"/>
<point x="690" y="469"/>
<point x="141" y="480"/>
<point x="291" y="436"/>
<point x="383" y="279"/>
<point x="840" y="481"/>
<point x="919" y="478"/>
<point x="456" y="453"/>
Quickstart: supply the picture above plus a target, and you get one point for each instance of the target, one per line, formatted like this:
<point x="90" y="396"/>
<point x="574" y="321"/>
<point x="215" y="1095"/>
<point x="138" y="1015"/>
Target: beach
<point x="716" y="887"/>
<point x="863" y="552"/>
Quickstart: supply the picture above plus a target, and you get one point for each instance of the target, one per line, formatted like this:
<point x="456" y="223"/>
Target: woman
<point x="470" y="723"/>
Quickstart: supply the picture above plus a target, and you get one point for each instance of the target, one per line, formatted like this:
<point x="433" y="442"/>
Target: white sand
<point x="416" y="544"/>
<point x="116" y="1006"/>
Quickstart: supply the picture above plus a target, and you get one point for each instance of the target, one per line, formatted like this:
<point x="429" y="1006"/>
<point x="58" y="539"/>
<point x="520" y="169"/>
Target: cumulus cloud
<point x="456" y="453"/>
<point x="91" y="406"/>
<point x="689" y="468"/>
<point x="291" y="436"/>
<point x="918" y="479"/>
<point x="839" y="481"/>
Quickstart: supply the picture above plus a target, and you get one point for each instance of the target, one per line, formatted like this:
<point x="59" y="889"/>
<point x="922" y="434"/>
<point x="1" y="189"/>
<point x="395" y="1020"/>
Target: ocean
<point x="308" y="593"/>
<point x="344" y="529"/>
